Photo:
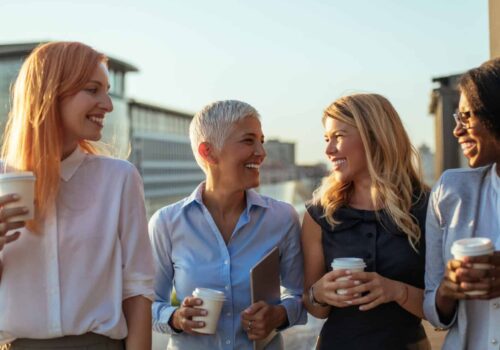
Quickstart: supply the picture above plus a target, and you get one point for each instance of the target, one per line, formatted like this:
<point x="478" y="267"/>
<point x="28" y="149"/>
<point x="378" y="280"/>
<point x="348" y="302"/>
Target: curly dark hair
<point x="481" y="87"/>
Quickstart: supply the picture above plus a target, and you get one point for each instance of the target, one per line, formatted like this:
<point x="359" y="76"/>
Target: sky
<point x="289" y="59"/>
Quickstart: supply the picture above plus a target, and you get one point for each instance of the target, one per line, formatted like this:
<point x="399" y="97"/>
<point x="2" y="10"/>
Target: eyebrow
<point x="335" y="131"/>
<point x="251" y="134"/>
<point x="98" y="83"/>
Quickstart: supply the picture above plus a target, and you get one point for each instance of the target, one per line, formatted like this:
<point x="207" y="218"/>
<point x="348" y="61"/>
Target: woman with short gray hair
<point x="213" y="238"/>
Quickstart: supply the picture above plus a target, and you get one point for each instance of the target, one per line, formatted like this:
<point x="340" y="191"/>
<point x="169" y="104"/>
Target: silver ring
<point x="249" y="328"/>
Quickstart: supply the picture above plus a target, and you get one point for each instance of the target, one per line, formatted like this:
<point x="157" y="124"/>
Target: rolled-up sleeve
<point x="162" y="249"/>
<point x="434" y="261"/>
<point x="292" y="273"/>
<point x="137" y="259"/>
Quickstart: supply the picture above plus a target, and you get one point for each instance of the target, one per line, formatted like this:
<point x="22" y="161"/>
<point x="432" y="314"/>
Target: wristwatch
<point x="312" y="300"/>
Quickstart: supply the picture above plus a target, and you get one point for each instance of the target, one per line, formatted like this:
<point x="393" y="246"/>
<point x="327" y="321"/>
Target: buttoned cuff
<point x="161" y="319"/>
<point x="432" y="314"/>
<point x="294" y="311"/>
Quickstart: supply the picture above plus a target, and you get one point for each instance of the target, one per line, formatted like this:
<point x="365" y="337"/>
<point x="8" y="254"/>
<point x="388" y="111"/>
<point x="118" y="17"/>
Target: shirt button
<point x="227" y="287"/>
<point x="228" y="342"/>
<point x="228" y="314"/>
<point x="226" y="262"/>
<point x="494" y="341"/>
<point x="496" y="305"/>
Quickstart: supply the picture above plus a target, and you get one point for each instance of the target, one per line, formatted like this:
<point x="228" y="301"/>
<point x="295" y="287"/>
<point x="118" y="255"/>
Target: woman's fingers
<point x="6" y="218"/>
<point x="8" y="198"/>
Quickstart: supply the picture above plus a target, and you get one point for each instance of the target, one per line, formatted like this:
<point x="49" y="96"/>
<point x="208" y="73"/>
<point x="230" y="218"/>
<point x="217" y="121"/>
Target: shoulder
<point x="277" y="205"/>
<point x="275" y="211"/>
<point x="454" y="177"/>
<point x="119" y="171"/>
<point x="168" y="213"/>
<point x="111" y="164"/>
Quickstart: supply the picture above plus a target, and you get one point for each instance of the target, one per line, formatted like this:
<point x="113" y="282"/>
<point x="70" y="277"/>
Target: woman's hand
<point x="484" y="280"/>
<point x="182" y="318"/>
<point x="260" y="318"/>
<point x="378" y="289"/>
<point x="325" y="289"/>
<point x="459" y="277"/>
<point x="6" y="222"/>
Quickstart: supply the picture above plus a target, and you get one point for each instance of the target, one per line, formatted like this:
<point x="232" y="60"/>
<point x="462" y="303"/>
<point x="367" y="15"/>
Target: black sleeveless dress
<point x="385" y="250"/>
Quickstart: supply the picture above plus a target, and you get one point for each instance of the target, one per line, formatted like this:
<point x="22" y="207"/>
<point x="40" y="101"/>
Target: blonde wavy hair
<point x="393" y="163"/>
<point x="32" y="139"/>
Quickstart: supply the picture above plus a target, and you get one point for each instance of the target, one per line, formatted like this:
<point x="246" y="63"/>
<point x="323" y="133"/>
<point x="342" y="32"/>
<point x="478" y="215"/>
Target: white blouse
<point x="93" y="252"/>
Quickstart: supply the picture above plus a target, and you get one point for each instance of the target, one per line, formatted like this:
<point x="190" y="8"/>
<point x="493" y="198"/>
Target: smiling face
<point x="346" y="151"/>
<point x="83" y="113"/>
<point x="478" y="144"/>
<point x="238" y="162"/>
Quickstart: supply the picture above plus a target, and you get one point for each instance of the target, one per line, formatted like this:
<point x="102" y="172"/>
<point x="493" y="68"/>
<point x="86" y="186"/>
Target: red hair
<point x="33" y="134"/>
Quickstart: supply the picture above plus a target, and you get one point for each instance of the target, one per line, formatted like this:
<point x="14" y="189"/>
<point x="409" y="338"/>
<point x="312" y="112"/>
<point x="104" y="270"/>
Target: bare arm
<point x="137" y="311"/>
<point x="314" y="263"/>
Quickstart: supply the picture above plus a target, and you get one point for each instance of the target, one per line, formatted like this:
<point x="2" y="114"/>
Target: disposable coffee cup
<point x="22" y="184"/>
<point x="477" y="246"/>
<point x="212" y="302"/>
<point x="352" y="264"/>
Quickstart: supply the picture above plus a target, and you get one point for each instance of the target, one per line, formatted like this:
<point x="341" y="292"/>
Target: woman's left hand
<point x="260" y="318"/>
<point x="375" y="290"/>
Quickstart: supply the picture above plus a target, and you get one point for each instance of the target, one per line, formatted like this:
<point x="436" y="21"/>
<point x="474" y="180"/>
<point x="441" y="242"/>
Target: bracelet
<point x="312" y="299"/>
<point x="406" y="295"/>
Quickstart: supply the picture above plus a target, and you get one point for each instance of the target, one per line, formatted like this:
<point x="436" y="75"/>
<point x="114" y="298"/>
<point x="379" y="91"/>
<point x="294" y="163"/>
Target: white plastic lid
<point x="21" y="175"/>
<point x="472" y="247"/>
<point x="348" y="263"/>
<point x="207" y="293"/>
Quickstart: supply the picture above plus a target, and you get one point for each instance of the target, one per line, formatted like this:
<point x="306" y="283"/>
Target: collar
<point x="252" y="198"/>
<point x="70" y="165"/>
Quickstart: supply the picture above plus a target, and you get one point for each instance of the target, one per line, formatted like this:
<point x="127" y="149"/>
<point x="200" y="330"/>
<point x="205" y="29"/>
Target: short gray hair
<point x="214" y="123"/>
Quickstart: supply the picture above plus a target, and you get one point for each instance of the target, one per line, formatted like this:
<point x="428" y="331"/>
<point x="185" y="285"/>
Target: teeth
<point x="96" y="120"/>
<point x="339" y="162"/>
<point x="467" y="145"/>
<point x="253" y="166"/>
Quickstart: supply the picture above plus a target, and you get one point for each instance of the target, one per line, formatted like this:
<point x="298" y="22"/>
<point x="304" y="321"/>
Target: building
<point x="444" y="102"/>
<point x="428" y="164"/>
<point x="161" y="150"/>
<point x="279" y="165"/>
<point x="155" y="139"/>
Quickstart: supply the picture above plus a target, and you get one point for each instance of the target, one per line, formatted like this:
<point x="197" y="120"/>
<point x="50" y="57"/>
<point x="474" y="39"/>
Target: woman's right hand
<point x="457" y="277"/>
<point x="6" y="222"/>
<point x="325" y="289"/>
<point x="182" y="318"/>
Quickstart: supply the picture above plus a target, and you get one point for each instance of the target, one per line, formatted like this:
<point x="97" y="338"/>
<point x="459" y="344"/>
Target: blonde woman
<point x="79" y="276"/>
<point x="372" y="207"/>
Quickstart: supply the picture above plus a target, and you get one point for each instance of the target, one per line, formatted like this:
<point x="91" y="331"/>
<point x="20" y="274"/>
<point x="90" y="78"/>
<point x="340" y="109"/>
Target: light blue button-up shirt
<point x="190" y="252"/>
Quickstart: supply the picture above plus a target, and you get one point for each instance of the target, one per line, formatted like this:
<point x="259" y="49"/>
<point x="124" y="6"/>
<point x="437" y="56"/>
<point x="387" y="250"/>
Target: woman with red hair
<point x="78" y="276"/>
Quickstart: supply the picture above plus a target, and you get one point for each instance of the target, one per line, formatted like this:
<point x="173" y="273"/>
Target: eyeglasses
<point x="462" y="118"/>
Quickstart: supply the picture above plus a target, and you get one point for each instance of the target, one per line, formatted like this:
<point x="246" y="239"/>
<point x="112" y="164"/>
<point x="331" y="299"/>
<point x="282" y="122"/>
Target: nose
<point x="260" y="150"/>
<point x="459" y="130"/>
<point x="106" y="103"/>
<point x="331" y="148"/>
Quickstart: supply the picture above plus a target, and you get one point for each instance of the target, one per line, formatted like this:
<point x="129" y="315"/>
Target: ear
<point x="206" y="151"/>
